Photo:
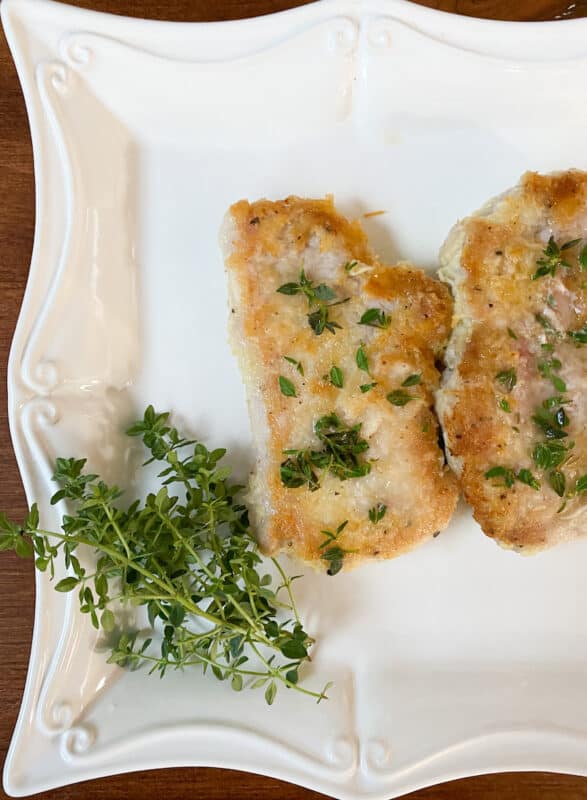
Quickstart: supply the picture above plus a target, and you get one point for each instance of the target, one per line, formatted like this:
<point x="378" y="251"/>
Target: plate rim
<point x="14" y="8"/>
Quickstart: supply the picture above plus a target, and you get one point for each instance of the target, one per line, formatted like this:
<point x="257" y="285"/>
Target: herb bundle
<point x="189" y="558"/>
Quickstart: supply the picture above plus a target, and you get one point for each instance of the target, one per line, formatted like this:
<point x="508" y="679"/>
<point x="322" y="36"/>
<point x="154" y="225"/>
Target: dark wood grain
<point x="16" y="577"/>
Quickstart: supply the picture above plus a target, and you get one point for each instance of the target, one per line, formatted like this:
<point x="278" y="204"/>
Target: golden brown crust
<point x="270" y="242"/>
<point x="491" y="259"/>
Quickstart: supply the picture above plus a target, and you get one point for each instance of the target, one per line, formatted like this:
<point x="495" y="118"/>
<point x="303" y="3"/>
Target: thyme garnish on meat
<point x="286" y="387"/>
<point x="550" y="417"/>
<point x="318" y="297"/>
<point x="342" y="447"/>
<point x="507" y="378"/>
<point x="551" y="422"/>
<point x="333" y="553"/>
<point x="553" y="259"/>
<point x="336" y="377"/>
<point x="399" y="397"/>
<point x="508" y="476"/>
<point x="548" y="369"/>
<point x="376" y="318"/>
<point x="297" y="364"/>
<point x="377" y="513"/>
<point x="579" y="337"/>
<point x="361" y="359"/>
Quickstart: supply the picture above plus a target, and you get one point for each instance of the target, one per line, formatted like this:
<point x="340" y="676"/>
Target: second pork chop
<point x="513" y="405"/>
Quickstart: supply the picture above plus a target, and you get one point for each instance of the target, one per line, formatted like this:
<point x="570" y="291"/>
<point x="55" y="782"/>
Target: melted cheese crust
<point x="489" y="259"/>
<point x="266" y="244"/>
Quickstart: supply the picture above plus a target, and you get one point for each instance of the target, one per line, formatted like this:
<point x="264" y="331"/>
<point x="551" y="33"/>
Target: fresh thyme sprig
<point x="318" y="297"/>
<point x="189" y="558"/>
<point x="342" y="447"/>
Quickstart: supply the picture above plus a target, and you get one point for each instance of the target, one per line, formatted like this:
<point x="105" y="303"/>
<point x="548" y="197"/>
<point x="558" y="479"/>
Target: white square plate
<point x="457" y="659"/>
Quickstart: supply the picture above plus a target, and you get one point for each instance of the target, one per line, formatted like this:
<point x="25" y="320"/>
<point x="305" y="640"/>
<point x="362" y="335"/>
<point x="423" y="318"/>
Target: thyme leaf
<point x="507" y="378"/>
<point x="376" y="318"/>
<point x="361" y="359"/>
<point x="336" y="377"/>
<point x="399" y="397"/>
<point x="413" y="380"/>
<point x="286" y="387"/>
<point x="377" y="513"/>
<point x="557" y="482"/>
<point x="297" y="364"/>
<point x="507" y="475"/>
<point x="526" y="477"/>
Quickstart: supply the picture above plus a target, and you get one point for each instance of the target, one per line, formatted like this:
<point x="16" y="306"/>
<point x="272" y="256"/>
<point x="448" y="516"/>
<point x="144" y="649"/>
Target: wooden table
<point x="16" y="581"/>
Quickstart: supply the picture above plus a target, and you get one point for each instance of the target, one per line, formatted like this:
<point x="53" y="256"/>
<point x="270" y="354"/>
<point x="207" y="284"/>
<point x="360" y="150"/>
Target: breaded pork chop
<point x="338" y="355"/>
<point x="513" y="406"/>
